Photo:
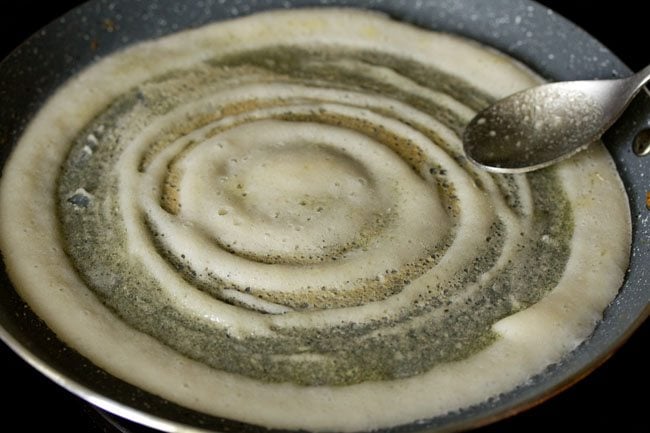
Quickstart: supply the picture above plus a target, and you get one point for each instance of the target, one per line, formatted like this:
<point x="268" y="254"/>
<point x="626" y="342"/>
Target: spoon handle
<point x="617" y="96"/>
<point x="639" y="80"/>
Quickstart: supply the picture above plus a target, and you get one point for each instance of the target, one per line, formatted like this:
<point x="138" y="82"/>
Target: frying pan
<point x="63" y="50"/>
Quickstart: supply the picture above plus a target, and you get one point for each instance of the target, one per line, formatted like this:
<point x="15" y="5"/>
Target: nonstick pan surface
<point x="594" y="401"/>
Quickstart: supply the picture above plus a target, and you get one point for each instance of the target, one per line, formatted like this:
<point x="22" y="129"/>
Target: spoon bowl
<point x="540" y="126"/>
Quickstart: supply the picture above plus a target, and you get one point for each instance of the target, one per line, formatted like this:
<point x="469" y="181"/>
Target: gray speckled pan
<point x="544" y="41"/>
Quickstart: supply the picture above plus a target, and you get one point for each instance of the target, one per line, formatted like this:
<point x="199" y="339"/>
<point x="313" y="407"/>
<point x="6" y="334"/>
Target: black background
<point x="614" y="397"/>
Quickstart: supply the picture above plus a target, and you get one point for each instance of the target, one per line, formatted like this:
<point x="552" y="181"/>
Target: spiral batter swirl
<point x="301" y="213"/>
<point x="321" y="193"/>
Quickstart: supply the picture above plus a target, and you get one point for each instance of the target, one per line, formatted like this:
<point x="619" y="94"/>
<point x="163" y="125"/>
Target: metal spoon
<point x="540" y="126"/>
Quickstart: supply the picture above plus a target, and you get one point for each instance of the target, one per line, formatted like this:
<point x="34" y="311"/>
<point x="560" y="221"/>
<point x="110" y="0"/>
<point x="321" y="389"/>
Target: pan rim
<point x="17" y="346"/>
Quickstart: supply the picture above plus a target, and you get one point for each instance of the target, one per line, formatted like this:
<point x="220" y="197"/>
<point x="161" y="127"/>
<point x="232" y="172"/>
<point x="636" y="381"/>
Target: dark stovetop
<point x="611" y="398"/>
